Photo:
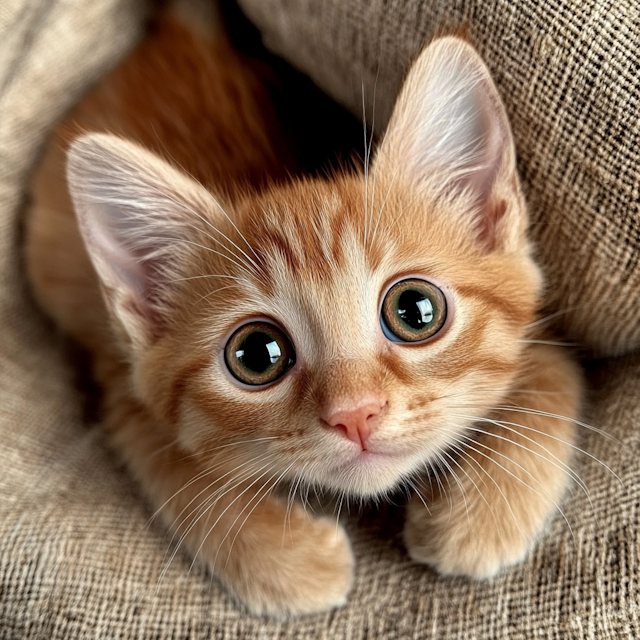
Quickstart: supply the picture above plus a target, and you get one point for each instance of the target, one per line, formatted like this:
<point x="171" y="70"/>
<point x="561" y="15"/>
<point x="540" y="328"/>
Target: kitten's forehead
<point x="319" y="232"/>
<point x="311" y="234"/>
<point x="322" y="279"/>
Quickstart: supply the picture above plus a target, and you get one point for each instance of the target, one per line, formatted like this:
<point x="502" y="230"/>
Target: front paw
<point x="475" y="540"/>
<point x="301" y="568"/>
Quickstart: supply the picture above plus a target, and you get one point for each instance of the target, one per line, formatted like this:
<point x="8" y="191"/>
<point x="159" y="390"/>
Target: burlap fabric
<point x="568" y="71"/>
<point x="77" y="557"/>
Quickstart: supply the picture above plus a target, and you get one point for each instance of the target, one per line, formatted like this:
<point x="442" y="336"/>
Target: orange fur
<point x="313" y="256"/>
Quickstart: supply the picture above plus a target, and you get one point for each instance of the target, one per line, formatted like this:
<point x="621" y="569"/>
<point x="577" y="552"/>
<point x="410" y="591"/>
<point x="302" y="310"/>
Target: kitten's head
<point x="341" y="331"/>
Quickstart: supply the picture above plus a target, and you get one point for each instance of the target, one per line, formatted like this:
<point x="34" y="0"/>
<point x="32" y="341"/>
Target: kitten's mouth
<point x="369" y="472"/>
<point x="367" y="453"/>
<point x="368" y="458"/>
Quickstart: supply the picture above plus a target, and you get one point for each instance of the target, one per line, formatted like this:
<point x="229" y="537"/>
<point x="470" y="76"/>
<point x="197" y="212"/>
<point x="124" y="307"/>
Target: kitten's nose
<point x="356" y="422"/>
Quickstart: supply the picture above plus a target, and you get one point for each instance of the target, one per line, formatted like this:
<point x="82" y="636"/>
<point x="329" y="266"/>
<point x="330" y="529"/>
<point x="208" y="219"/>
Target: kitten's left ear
<point x="139" y="218"/>
<point x="449" y="137"/>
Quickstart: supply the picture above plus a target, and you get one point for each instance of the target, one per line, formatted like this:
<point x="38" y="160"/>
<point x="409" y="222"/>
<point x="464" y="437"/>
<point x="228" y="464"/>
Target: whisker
<point x="567" y="471"/>
<point x="416" y="491"/>
<point x="212" y="226"/>
<point x="208" y="509"/>
<point x="260" y="499"/>
<point x="549" y="317"/>
<point x="368" y="159"/>
<point x="269" y="490"/>
<point x="205" y="510"/>
<point x="366" y="162"/>
<point x="204" y="539"/>
<point x="459" y="438"/>
<point x="248" y="262"/>
<point x="208" y="275"/>
<point x="201" y="246"/>
<point x="554" y="343"/>
<point x="537" y="412"/>
<point x="384" y="202"/>
<point x="200" y="476"/>
<point x="164" y="448"/>
<point x="291" y="499"/>
<point x="342" y="495"/>
<point x="562" y="466"/>
<point x="458" y="446"/>
<point x="230" y="444"/>
<point x="569" y="444"/>
<point x="226" y="215"/>
<point x="305" y="497"/>
<point x="454" y="461"/>
<point x="441" y="488"/>
<point x="218" y="290"/>
<point x="431" y="472"/>
<point x="515" y="477"/>
<point x="205" y="506"/>
<point x="463" y="491"/>
<point x="215" y="200"/>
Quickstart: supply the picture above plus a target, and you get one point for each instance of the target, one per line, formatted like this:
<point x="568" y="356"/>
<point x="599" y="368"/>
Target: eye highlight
<point x="413" y="310"/>
<point x="258" y="353"/>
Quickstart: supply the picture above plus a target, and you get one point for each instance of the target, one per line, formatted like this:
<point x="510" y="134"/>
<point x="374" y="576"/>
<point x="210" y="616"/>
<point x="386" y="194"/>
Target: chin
<point x="370" y="475"/>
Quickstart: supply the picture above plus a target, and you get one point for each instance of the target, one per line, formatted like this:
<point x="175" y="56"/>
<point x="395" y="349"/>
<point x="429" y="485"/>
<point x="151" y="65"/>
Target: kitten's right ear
<point x="449" y="137"/>
<point x="136" y="215"/>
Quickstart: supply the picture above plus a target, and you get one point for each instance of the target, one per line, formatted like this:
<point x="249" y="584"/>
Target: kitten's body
<point x="315" y="257"/>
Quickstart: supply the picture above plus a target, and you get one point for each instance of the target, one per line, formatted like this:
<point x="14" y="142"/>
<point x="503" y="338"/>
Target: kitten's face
<point x="322" y="283"/>
<point x="343" y="332"/>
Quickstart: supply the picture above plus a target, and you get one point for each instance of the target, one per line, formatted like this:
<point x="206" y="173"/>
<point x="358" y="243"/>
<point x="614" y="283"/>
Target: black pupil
<point x="258" y="352"/>
<point x="415" y="309"/>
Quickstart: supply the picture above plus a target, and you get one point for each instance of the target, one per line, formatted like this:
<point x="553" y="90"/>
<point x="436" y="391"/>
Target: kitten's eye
<point x="413" y="310"/>
<point x="259" y="353"/>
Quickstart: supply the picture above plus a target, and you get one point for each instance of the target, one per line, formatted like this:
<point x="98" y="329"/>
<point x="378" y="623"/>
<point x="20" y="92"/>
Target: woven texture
<point x="568" y="71"/>
<point x="78" y="558"/>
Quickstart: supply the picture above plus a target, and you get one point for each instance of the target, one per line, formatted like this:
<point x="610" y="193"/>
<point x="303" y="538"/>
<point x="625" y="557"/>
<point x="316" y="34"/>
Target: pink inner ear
<point x="125" y="271"/>
<point x="111" y="240"/>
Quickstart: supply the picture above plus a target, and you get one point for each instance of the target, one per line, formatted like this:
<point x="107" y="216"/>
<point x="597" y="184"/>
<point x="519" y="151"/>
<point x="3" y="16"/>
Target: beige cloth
<point x="568" y="71"/>
<point x="77" y="557"/>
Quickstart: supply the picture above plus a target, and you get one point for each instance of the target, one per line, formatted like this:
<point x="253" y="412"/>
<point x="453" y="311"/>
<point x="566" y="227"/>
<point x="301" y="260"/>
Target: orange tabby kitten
<point x="351" y="333"/>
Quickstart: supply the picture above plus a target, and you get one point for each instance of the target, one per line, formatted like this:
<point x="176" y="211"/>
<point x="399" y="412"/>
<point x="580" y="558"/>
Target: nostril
<point x="343" y="428"/>
<point x="376" y="413"/>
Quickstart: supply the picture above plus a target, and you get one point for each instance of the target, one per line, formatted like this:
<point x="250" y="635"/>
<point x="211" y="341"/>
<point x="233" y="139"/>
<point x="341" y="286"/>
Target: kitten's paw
<point x="288" y="572"/>
<point x="474" y="545"/>
<point x="510" y="482"/>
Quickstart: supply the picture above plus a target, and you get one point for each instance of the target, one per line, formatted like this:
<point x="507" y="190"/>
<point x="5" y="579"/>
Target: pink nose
<point x="356" y="422"/>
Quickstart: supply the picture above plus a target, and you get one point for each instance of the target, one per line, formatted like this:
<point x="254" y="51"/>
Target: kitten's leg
<point x="276" y="558"/>
<point x="509" y="483"/>
<point x="277" y="561"/>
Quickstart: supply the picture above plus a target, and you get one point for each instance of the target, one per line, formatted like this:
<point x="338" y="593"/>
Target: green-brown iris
<point x="413" y="310"/>
<point x="259" y="353"/>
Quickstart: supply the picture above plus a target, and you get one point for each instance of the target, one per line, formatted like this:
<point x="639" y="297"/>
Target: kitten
<point x="351" y="333"/>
